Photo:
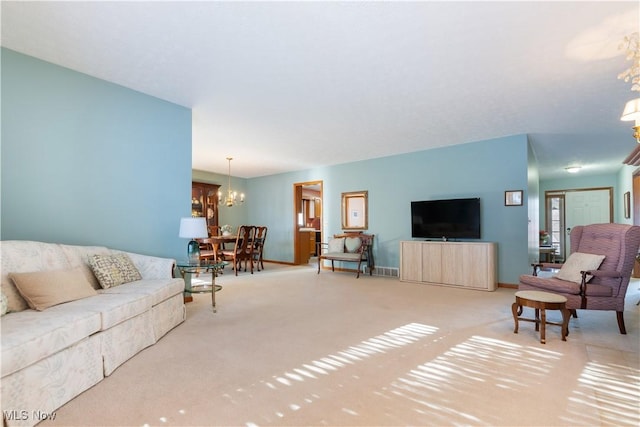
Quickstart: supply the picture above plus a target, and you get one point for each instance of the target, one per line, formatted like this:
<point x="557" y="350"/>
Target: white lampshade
<point x="631" y="111"/>
<point x="193" y="228"/>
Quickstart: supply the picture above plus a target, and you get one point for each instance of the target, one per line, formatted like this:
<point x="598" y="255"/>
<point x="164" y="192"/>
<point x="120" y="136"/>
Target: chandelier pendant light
<point x="232" y="196"/>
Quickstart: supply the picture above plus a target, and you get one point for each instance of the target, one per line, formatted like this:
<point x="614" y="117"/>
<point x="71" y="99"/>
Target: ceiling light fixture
<point x="631" y="112"/>
<point x="573" y="169"/>
<point x="232" y="196"/>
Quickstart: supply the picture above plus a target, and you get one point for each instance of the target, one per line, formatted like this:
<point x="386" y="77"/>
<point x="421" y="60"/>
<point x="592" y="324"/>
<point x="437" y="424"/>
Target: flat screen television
<point x="446" y="219"/>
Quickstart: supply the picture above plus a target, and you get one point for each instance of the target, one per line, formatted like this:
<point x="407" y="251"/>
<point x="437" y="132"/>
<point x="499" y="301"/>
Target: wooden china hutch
<point x="204" y="201"/>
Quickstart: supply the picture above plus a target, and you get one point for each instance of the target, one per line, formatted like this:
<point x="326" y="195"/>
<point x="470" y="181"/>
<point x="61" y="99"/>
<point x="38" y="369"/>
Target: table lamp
<point x="193" y="228"/>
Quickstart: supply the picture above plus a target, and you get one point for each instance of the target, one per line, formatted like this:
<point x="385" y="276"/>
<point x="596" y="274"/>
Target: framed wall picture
<point x="513" y="198"/>
<point x="627" y="204"/>
<point x="354" y="210"/>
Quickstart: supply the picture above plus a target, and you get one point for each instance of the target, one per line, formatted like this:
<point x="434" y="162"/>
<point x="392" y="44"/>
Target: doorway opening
<point x="554" y="208"/>
<point x="307" y="220"/>
<point x="565" y="209"/>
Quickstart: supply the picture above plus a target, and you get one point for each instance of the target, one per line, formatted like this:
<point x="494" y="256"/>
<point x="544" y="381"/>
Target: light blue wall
<point x="482" y="169"/>
<point x="625" y="183"/>
<point x="533" y="206"/>
<point x="89" y="162"/>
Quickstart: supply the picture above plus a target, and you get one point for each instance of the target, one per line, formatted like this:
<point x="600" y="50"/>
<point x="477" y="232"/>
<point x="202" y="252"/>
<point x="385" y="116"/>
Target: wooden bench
<point x="348" y="247"/>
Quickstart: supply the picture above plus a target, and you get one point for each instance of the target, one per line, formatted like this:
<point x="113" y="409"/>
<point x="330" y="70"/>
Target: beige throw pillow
<point x="352" y="244"/>
<point x="578" y="262"/>
<point x="336" y="245"/>
<point x="44" y="289"/>
<point x="113" y="270"/>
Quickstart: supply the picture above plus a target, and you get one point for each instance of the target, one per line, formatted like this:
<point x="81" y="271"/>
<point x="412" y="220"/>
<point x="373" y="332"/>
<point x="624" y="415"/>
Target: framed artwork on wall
<point x="513" y="198"/>
<point x="355" y="214"/>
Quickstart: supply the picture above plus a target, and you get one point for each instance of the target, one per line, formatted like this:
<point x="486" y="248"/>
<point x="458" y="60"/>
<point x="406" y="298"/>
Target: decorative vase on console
<point x="544" y="238"/>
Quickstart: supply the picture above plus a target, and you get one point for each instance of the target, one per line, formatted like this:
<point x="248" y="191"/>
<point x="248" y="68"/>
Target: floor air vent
<point x="383" y="271"/>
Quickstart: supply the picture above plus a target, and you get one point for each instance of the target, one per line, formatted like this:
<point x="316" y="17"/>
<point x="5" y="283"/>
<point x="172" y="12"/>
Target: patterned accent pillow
<point x="336" y="245"/>
<point x="113" y="270"/>
<point x="352" y="244"/>
<point x="578" y="262"/>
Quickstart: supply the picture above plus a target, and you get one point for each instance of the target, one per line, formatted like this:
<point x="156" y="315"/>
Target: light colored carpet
<point x="288" y="347"/>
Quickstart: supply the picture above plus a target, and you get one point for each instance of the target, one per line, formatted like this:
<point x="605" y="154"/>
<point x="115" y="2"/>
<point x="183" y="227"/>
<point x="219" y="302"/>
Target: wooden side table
<point x="541" y="301"/>
<point x="549" y="253"/>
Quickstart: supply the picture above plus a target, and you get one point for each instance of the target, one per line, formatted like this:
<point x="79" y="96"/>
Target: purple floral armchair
<point x="603" y="288"/>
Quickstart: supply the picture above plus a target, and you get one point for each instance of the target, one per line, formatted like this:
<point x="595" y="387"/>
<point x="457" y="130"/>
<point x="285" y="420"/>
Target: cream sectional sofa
<point x="48" y="357"/>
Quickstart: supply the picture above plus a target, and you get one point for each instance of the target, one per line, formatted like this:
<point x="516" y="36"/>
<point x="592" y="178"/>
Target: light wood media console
<point x="471" y="265"/>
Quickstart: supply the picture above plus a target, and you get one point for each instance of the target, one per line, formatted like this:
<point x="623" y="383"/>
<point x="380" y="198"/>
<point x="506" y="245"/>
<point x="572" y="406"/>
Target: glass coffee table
<point x="187" y="267"/>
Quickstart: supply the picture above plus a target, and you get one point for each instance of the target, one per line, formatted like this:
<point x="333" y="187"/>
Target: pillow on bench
<point x="344" y="244"/>
<point x="336" y="245"/>
<point x="352" y="244"/>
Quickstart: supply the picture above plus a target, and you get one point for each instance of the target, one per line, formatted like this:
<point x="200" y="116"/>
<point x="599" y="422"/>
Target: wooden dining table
<point x="215" y="242"/>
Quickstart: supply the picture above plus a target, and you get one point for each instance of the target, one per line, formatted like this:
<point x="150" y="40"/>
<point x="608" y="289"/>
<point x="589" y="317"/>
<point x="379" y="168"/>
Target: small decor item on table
<point x="545" y="239"/>
<point x="226" y="230"/>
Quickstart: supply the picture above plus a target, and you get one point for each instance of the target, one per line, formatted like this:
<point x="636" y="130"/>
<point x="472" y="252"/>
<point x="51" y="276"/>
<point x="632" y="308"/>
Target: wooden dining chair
<point x="258" y="246"/>
<point x="243" y="249"/>
<point x="214" y="231"/>
<point x="206" y="249"/>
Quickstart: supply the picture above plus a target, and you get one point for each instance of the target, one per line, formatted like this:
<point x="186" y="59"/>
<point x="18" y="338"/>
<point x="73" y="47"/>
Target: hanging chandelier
<point x="232" y="196"/>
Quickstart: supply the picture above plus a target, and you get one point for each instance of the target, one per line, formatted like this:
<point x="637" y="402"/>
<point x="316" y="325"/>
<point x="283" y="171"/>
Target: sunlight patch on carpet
<point x="455" y="376"/>
<point x="612" y="390"/>
<point x="381" y="344"/>
<point x="395" y="338"/>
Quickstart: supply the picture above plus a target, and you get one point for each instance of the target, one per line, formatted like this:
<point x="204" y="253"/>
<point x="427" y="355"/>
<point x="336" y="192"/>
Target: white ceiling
<point x="284" y="86"/>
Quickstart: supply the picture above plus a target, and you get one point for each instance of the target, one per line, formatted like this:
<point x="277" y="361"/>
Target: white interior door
<point x="586" y="207"/>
